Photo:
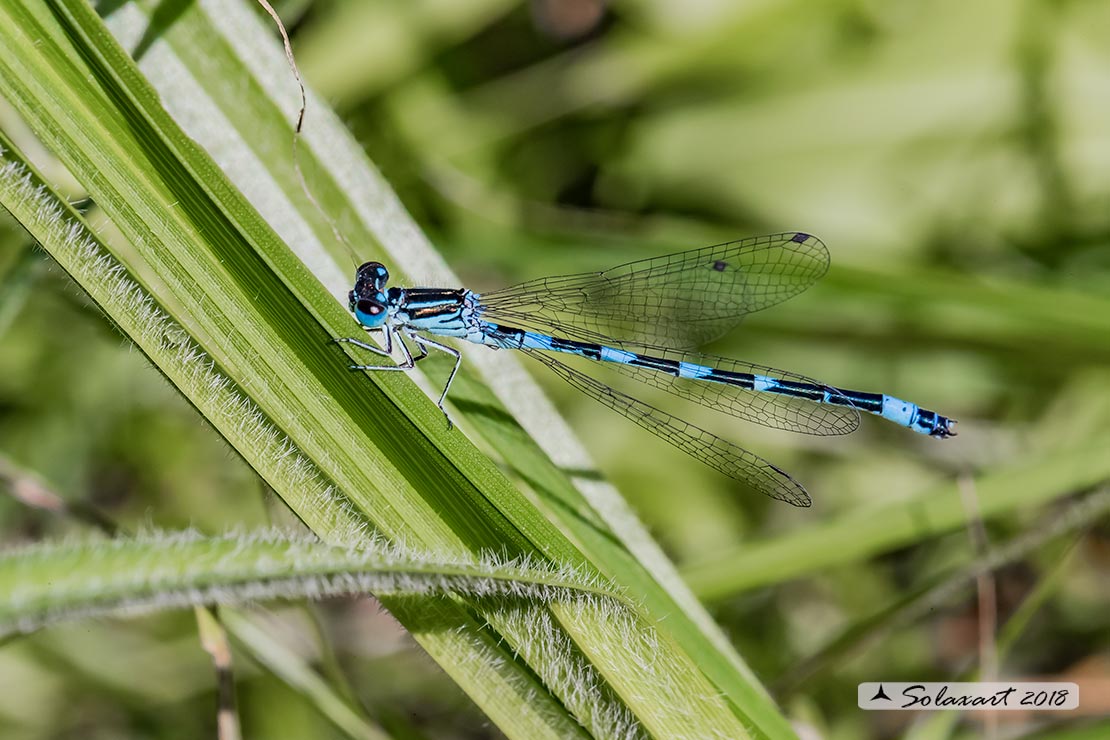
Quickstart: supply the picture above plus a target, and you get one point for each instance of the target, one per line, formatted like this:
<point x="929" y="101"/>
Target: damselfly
<point x="644" y="318"/>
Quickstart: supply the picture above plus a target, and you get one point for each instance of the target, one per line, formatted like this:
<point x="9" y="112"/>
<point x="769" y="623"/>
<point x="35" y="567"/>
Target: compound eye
<point x="370" y="308"/>
<point x="373" y="273"/>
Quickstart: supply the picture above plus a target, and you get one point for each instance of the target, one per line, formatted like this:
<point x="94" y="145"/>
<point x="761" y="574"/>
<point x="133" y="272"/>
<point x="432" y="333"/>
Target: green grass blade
<point x="157" y="571"/>
<point x="371" y="215"/>
<point x="505" y="689"/>
<point x="870" y="531"/>
<point x="379" y="445"/>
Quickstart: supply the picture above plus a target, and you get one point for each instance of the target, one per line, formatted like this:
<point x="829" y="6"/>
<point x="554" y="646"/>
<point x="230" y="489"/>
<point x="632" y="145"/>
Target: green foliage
<point x="953" y="156"/>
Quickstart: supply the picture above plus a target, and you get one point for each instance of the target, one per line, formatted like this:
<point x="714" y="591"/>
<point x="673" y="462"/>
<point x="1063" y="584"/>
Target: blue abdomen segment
<point x="903" y="413"/>
<point x="890" y="408"/>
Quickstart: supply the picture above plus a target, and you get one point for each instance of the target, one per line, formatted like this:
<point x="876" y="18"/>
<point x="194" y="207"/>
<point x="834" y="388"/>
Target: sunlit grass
<point x="952" y="157"/>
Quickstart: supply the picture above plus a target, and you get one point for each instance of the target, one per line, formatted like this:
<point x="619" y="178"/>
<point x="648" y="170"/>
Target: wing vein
<point x="719" y="454"/>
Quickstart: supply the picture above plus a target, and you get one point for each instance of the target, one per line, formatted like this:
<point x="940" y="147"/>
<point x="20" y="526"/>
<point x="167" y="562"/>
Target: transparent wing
<point x="681" y="300"/>
<point x="793" y="413"/>
<point x="723" y="456"/>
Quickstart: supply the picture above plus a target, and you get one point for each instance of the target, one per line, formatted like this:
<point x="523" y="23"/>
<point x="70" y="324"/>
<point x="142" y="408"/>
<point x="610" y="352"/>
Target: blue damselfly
<point x="643" y="318"/>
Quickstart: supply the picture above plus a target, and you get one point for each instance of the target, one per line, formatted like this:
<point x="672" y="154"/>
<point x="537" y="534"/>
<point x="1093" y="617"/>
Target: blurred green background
<point x="955" y="158"/>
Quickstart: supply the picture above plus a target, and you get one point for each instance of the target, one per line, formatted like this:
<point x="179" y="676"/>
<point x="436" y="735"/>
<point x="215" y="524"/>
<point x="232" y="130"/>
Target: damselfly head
<point x="368" y="300"/>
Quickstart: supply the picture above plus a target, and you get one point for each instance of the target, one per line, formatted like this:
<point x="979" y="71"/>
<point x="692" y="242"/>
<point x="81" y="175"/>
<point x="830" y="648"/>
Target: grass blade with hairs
<point x="378" y="446"/>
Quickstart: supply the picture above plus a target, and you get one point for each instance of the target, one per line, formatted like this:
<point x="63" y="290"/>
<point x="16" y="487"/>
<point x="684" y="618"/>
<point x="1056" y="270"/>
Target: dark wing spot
<point x="720" y="265"/>
<point x="800" y="237"/>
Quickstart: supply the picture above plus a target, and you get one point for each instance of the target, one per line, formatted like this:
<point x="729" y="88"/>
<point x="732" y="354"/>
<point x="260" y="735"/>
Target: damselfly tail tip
<point x="944" y="428"/>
